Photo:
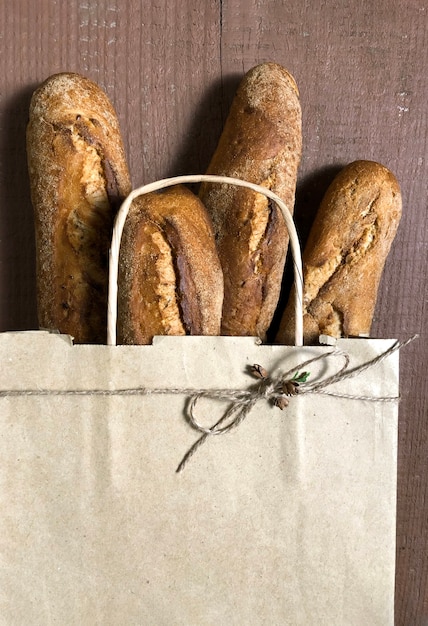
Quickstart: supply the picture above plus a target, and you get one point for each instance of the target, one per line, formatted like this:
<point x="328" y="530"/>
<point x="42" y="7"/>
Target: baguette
<point x="170" y="278"/>
<point x="345" y="254"/>
<point x="78" y="178"/>
<point x="261" y="142"/>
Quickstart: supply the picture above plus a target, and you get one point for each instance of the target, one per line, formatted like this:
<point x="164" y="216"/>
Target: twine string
<point x="241" y="401"/>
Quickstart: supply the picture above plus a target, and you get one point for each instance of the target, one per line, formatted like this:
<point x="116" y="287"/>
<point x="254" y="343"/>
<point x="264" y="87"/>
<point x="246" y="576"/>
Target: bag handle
<point x="176" y="180"/>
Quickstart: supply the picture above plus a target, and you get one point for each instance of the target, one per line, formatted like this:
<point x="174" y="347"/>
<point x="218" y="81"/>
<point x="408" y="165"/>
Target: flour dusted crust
<point x="170" y="279"/>
<point x="261" y="143"/>
<point x="78" y="178"/>
<point x="345" y="254"/>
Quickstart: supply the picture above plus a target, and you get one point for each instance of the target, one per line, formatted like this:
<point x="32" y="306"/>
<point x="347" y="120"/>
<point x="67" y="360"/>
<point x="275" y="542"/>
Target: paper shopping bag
<point x="287" y="518"/>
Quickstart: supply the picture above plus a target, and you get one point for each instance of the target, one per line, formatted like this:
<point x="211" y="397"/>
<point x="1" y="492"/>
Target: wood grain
<point x="171" y="69"/>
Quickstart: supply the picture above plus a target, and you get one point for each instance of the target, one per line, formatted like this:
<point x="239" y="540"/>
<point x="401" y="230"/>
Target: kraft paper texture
<point x="289" y="519"/>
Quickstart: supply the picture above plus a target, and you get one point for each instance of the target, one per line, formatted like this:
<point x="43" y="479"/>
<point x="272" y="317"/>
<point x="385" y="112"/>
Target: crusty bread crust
<point x="170" y="279"/>
<point x="345" y="254"/>
<point x="78" y="177"/>
<point x="261" y="143"/>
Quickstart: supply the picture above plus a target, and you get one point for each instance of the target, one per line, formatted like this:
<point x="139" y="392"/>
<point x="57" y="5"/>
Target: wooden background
<point x="171" y="68"/>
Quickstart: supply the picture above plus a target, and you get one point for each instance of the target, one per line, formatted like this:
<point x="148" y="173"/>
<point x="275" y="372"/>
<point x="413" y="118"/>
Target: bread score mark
<point x="86" y="131"/>
<point x="187" y="294"/>
<point x="163" y="287"/>
<point x="319" y="279"/>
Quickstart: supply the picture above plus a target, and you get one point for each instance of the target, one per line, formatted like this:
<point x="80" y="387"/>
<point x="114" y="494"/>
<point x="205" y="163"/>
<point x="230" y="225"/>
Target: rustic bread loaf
<point x="345" y="254"/>
<point x="261" y="143"/>
<point x="78" y="178"/>
<point x="170" y="280"/>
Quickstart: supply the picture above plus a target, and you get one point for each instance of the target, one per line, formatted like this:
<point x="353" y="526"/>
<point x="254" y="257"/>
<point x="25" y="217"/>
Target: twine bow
<point x="278" y="392"/>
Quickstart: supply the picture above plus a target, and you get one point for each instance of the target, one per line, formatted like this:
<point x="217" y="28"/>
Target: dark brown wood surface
<point x="171" y="68"/>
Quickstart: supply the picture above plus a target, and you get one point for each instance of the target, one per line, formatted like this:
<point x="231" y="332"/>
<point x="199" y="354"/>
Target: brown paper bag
<point x="288" y="517"/>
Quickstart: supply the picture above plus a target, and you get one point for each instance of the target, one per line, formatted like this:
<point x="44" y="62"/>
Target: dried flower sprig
<point x="285" y="388"/>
